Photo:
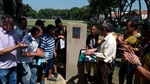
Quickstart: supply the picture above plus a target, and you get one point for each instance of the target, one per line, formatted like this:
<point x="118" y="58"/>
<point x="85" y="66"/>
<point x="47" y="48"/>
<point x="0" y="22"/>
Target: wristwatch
<point x="135" y="65"/>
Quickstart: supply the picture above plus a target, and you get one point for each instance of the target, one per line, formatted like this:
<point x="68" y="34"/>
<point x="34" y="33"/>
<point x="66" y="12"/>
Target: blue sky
<point x="66" y="4"/>
<point x="55" y="4"/>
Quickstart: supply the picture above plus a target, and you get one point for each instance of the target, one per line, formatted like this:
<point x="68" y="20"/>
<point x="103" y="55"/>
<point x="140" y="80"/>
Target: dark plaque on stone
<point x="76" y="32"/>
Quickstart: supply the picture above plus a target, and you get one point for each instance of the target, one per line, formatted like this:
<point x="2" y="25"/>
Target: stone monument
<point x="76" y="40"/>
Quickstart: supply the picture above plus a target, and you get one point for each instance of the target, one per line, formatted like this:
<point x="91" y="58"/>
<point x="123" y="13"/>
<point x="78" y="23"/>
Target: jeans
<point x="29" y="75"/>
<point x="12" y="76"/>
<point x="126" y="71"/>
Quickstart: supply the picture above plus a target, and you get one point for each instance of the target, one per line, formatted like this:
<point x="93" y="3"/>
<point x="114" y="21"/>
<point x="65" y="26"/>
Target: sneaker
<point x="55" y="75"/>
<point x="42" y="82"/>
<point x="52" y="79"/>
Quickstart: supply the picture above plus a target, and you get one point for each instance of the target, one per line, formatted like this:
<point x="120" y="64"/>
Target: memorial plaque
<point x="76" y="32"/>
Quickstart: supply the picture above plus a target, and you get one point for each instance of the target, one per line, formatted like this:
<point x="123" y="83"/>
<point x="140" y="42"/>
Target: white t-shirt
<point x="32" y="47"/>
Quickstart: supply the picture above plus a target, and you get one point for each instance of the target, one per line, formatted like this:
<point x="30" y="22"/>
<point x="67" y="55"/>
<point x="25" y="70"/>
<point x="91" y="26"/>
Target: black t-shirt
<point x="92" y="41"/>
<point x="60" y="31"/>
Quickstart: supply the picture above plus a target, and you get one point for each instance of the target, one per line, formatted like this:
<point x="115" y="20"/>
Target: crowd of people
<point x="28" y="55"/>
<point x="134" y="47"/>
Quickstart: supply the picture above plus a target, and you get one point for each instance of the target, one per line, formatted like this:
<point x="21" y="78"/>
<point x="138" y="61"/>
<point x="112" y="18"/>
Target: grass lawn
<point x="116" y="71"/>
<point x="31" y="22"/>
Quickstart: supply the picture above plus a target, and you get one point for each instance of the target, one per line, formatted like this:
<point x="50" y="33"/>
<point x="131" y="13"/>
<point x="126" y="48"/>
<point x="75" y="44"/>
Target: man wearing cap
<point x="105" y="53"/>
<point x="47" y="44"/>
<point x="41" y="24"/>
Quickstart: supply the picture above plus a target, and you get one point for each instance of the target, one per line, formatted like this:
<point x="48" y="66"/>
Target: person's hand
<point x="22" y="45"/>
<point x="131" y="57"/>
<point x="61" y="36"/>
<point x="88" y="52"/>
<point x="40" y="52"/>
<point x="120" y="38"/>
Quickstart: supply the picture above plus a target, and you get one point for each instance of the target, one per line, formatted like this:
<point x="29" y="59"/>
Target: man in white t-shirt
<point x="28" y="64"/>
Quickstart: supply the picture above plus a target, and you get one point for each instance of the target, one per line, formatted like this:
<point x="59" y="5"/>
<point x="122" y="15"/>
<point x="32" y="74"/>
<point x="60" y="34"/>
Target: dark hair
<point x="35" y="30"/>
<point x="94" y="26"/>
<point x="133" y="24"/>
<point x="50" y="27"/>
<point x="57" y="21"/>
<point x="108" y="26"/>
<point x="22" y="19"/>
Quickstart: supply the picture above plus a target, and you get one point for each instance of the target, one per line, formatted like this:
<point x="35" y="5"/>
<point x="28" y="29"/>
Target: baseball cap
<point x="39" y="22"/>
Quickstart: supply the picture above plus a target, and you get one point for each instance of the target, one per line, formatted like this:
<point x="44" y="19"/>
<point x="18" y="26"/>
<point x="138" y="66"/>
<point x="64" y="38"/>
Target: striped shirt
<point x="47" y="43"/>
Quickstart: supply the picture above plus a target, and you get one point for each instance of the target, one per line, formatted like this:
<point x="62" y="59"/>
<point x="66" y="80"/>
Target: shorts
<point x="48" y="66"/>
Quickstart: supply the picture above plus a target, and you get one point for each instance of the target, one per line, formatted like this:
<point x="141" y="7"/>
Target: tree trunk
<point x="8" y="7"/>
<point x="148" y="9"/>
<point x="130" y="11"/>
<point x="105" y="15"/>
<point x="110" y="14"/>
<point x="18" y="8"/>
<point x="140" y="11"/>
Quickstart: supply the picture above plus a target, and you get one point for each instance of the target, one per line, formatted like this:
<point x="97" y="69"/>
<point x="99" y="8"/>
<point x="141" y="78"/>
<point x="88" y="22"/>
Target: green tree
<point x="75" y="12"/>
<point x="1" y="7"/>
<point x="85" y="13"/>
<point x="106" y="6"/>
<point x="64" y="14"/>
<point x="101" y="7"/>
<point x="28" y="11"/>
<point x="8" y="7"/>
